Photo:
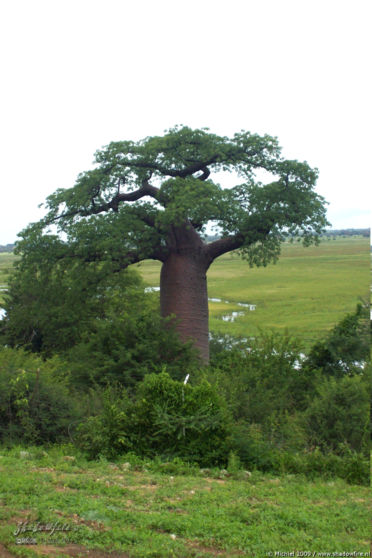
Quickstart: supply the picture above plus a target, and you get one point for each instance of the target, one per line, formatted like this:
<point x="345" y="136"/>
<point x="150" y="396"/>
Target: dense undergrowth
<point x="259" y="405"/>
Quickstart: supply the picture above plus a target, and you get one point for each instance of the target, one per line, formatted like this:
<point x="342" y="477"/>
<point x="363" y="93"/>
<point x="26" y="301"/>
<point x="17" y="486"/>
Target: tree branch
<point x="233" y="242"/>
<point x="146" y="190"/>
<point x="205" y="174"/>
<point x="223" y="245"/>
<point x="182" y="173"/>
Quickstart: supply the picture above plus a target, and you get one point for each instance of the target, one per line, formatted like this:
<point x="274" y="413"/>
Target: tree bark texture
<point x="183" y="292"/>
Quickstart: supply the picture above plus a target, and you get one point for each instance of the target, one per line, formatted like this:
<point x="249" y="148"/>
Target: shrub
<point x="171" y="419"/>
<point x="339" y="414"/>
<point x="35" y="405"/>
<point x="167" y="419"/>
<point x="253" y="450"/>
<point x="263" y="376"/>
<point x="127" y="345"/>
<point x="106" y="434"/>
<point x="346" y="347"/>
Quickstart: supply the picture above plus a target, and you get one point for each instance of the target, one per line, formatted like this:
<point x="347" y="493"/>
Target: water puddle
<point x="232" y="317"/>
<point x="251" y="307"/>
<point x="227" y="317"/>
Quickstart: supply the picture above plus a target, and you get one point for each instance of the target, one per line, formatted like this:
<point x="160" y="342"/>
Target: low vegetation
<point x="148" y="508"/>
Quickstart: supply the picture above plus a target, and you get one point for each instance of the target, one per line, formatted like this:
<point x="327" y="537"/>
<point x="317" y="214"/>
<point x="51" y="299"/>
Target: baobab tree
<point x="154" y="198"/>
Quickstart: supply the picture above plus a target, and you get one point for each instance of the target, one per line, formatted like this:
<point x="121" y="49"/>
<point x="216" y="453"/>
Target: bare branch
<point x="205" y="174"/>
<point x="145" y="190"/>
<point x="182" y="173"/>
<point x="223" y="245"/>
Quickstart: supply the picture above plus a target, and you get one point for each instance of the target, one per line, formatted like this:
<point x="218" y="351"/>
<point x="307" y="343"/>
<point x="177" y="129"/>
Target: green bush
<point x="346" y="347"/>
<point x="35" y="404"/>
<point x="339" y="415"/>
<point x="168" y="419"/>
<point x="188" y="421"/>
<point x="127" y="345"/>
<point x="106" y="434"/>
<point x="262" y="376"/>
<point x="254" y="451"/>
<point x="351" y="466"/>
<point x="257" y="453"/>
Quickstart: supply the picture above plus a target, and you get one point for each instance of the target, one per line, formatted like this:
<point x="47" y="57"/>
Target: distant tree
<point x="7" y="248"/>
<point x="154" y="198"/>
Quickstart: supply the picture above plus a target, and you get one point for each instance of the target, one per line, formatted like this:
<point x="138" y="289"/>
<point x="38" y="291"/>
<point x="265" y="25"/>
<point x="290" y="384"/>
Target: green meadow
<point x="149" y="509"/>
<point x="307" y="291"/>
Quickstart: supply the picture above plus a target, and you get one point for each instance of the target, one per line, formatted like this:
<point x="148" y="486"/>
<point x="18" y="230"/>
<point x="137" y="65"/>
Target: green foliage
<point x="346" y="347"/>
<point x="339" y="414"/>
<point x="262" y="376"/>
<point x="105" y="214"/>
<point x="35" y="404"/>
<point x="95" y="316"/>
<point x="256" y="452"/>
<point x="189" y="198"/>
<point x="52" y="300"/>
<point x="283" y="409"/>
<point x="128" y="343"/>
<point x="183" y="420"/>
<point x="105" y="435"/>
<point x="168" y="419"/>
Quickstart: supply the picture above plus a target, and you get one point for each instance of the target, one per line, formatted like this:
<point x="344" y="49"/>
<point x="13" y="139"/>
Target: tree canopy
<point x="138" y="191"/>
<point x="155" y="198"/>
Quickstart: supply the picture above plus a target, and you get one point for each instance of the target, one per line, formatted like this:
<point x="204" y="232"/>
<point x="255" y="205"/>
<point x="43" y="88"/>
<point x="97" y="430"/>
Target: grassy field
<point x="308" y="291"/>
<point x="6" y="264"/>
<point x="120" y="510"/>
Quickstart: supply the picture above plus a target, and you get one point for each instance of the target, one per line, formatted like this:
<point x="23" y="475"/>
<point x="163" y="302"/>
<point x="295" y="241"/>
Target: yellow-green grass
<point x="307" y="292"/>
<point x="147" y="513"/>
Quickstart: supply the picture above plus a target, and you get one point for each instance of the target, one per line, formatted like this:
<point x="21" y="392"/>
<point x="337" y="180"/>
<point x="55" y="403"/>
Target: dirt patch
<point x="4" y="553"/>
<point x="141" y="487"/>
<point x="21" y="515"/>
<point x="77" y="551"/>
<point x="211" y="550"/>
<point x="77" y="520"/>
<point x="178" y="511"/>
<point x="63" y="488"/>
<point x="218" y="481"/>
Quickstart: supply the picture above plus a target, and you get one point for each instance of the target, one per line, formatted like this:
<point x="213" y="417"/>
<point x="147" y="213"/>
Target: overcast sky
<point x="79" y="74"/>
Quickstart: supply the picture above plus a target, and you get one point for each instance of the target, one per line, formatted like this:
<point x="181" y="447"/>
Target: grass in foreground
<point x="153" y="511"/>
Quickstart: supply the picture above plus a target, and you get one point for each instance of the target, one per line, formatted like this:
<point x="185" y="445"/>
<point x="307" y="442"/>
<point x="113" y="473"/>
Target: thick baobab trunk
<point x="183" y="292"/>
